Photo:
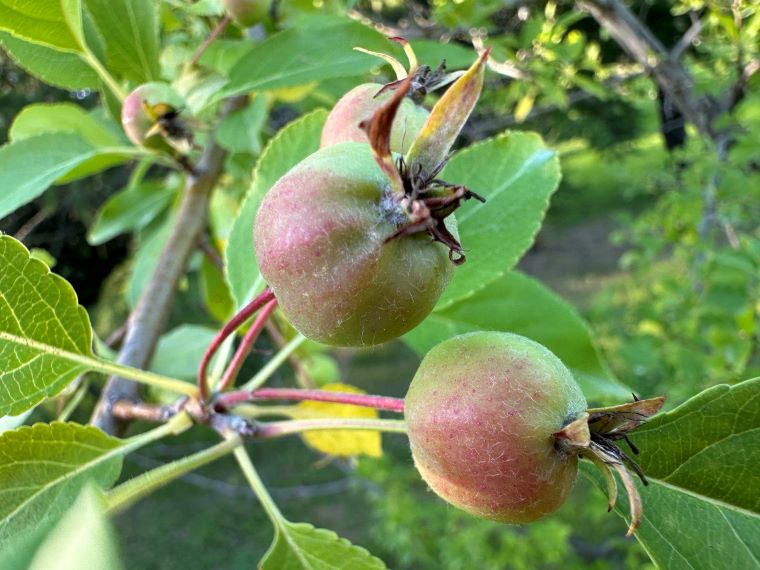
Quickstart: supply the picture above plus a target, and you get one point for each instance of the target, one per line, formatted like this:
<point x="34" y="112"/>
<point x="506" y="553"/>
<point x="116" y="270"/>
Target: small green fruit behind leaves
<point x="359" y="104"/>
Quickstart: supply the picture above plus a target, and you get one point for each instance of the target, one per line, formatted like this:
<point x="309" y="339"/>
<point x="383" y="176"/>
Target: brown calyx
<point x="427" y="200"/>
<point x="609" y="425"/>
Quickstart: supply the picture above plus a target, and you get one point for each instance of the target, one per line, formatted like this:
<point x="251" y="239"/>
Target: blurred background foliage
<point x="670" y="286"/>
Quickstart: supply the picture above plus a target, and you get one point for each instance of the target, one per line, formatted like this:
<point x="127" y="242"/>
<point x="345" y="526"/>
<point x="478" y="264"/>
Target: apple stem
<point x="232" y="325"/>
<point x="271" y="430"/>
<point x="245" y="346"/>
<point x="210" y="39"/>
<point x="297" y="394"/>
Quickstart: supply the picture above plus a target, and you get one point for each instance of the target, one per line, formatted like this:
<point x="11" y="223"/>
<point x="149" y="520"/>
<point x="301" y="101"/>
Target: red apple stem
<point x="244" y="349"/>
<point x="232" y="325"/>
<point x="210" y="39"/>
<point x="271" y="430"/>
<point x="297" y="394"/>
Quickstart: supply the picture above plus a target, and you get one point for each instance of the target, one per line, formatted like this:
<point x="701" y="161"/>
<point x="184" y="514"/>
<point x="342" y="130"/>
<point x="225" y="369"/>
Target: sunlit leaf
<point x="42" y="330"/>
<point x="292" y="144"/>
<point x="129" y="29"/>
<point x="62" y="69"/>
<point x="82" y="539"/>
<point x="30" y="166"/>
<point x="517" y="174"/>
<point x="52" y="23"/>
<point x="303" y="54"/>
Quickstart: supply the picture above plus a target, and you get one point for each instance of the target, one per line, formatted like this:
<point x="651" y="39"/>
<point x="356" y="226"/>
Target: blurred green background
<point x="674" y="311"/>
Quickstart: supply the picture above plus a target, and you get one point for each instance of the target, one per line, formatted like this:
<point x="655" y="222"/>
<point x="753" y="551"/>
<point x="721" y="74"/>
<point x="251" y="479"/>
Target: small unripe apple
<point x="322" y="243"/>
<point x="483" y="414"/>
<point x="359" y="104"/>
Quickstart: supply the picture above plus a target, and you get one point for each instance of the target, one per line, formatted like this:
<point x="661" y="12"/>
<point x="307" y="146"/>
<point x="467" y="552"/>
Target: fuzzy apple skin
<point x="134" y="119"/>
<point x="319" y="241"/>
<point x="360" y="103"/>
<point x="481" y="412"/>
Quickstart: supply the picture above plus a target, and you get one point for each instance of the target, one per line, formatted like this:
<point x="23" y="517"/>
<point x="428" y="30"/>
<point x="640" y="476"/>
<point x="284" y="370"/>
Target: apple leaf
<point x="51" y="23"/>
<point x="129" y="29"/>
<point x="300" y="546"/>
<point x="62" y="69"/>
<point x="42" y="330"/>
<point x="519" y="304"/>
<point x="517" y="174"/>
<point x="83" y="538"/>
<point x="341" y="443"/>
<point x="290" y="146"/>
<point x="44" y="467"/>
<point x="702" y="504"/>
<point x="321" y="50"/>
<point x="30" y="166"/>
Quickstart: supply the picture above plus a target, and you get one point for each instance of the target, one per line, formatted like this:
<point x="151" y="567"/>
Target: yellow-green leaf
<point x="53" y="23"/>
<point x="41" y="328"/>
<point x="343" y="443"/>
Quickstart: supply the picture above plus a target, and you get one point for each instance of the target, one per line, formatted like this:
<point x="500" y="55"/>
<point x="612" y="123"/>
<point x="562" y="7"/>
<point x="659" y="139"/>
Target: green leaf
<point x="52" y="23"/>
<point x="44" y="467"/>
<point x="519" y="304"/>
<point x="517" y="175"/>
<point x="41" y="326"/>
<point x="130" y="209"/>
<point x="303" y="54"/>
<point x="179" y="351"/>
<point x="129" y="29"/>
<point x="292" y="144"/>
<point x="300" y="546"/>
<point x="241" y="131"/>
<point x="215" y="291"/>
<point x="62" y="69"/>
<point x="82" y="539"/>
<point x="702" y="504"/>
<point x="147" y="257"/>
<point x="28" y="167"/>
<point x="40" y="118"/>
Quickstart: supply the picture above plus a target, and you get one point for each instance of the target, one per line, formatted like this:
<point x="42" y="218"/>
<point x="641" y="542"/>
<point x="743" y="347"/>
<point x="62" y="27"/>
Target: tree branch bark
<point x="148" y="319"/>
<point x="639" y="42"/>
